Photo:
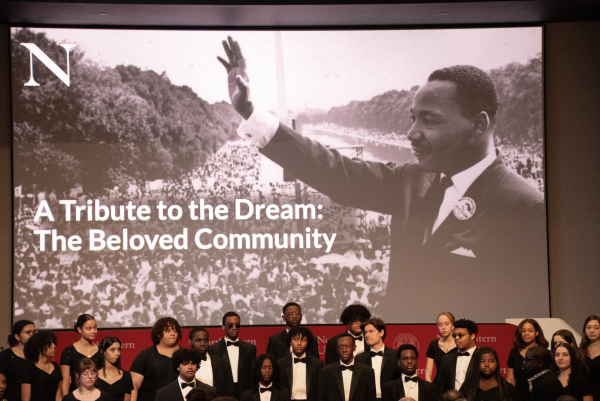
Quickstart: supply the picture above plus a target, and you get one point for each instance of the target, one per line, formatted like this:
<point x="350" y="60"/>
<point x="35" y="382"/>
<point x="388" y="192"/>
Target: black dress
<point x="44" y="386"/>
<point x="157" y="370"/>
<point x="103" y="397"/>
<point x="436" y="353"/>
<point x="493" y="394"/>
<point x="515" y="362"/>
<point x="71" y="358"/>
<point x="12" y="367"/>
<point x="118" y="389"/>
<point x="594" y="367"/>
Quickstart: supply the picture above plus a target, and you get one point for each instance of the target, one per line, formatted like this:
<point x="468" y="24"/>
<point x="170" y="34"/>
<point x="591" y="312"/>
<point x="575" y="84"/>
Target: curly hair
<point x="303" y="332"/>
<point x="183" y="356"/>
<point x="257" y="365"/>
<point x="105" y="344"/>
<point x="470" y="325"/>
<point x="475" y="90"/>
<point x="471" y="383"/>
<point x="38" y="344"/>
<point x="577" y="378"/>
<point x="539" y="338"/>
<point x="162" y="324"/>
<point x="16" y="331"/>
<point x="353" y="313"/>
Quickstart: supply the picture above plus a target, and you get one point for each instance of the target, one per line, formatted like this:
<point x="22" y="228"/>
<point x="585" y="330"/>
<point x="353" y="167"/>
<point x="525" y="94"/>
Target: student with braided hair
<point x="484" y="381"/>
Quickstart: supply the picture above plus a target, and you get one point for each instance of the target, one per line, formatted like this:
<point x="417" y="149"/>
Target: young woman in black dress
<point x="572" y="373"/>
<point x="484" y="382"/>
<point x="41" y="377"/>
<point x="85" y="347"/>
<point x="528" y="334"/>
<point x="440" y="347"/>
<point x="111" y="378"/>
<point x="265" y="375"/>
<point x="564" y="337"/>
<point x="85" y="378"/>
<point x="152" y="368"/>
<point x="590" y="351"/>
<point x="12" y="360"/>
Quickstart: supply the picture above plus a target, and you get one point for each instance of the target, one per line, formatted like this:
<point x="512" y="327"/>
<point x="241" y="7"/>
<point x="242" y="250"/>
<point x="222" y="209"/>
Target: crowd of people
<point x="133" y="289"/>
<point x="358" y="365"/>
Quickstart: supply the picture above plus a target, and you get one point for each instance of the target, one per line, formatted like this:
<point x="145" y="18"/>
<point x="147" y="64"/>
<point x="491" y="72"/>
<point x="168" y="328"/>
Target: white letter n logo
<point x="34" y="50"/>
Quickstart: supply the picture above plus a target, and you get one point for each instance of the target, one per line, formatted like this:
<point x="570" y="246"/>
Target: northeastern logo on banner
<point x="405" y="338"/>
<point x="56" y="70"/>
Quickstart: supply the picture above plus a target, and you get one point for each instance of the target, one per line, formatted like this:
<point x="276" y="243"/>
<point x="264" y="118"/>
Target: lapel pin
<point x="465" y="208"/>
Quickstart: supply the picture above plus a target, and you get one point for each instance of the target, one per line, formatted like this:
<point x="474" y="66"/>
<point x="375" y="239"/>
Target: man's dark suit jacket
<point x="278" y="394"/>
<point x="313" y="368"/>
<point x="246" y="359"/>
<point x="362" y="387"/>
<point x="545" y="388"/>
<point x="279" y="347"/>
<point x="447" y="374"/>
<point x="172" y="391"/>
<point x="222" y="378"/>
<point x="394" y="390"/>
<point x="389" y="364"/>
<point x="503" y="242"/>
<point x="331" y="352"/>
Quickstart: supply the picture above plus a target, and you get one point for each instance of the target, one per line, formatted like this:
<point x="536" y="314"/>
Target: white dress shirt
<point x="205" y="373"/>
<point x="411" y="389"/>
<point x="234" y="357"/>
<point x="186" y="390"/>
<point x="299" y="374"/>
<point x="462" y="364"/>
<point x="376" y="362"/>
<point x="360" y="345"/>
<point x="266" y="396"/>
<point x="347" y="378"/>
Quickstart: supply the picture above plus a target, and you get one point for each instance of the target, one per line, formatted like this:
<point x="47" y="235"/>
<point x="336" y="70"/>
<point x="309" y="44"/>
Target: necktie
<point x="463" y="353"/>
<point x="263" y="389"/>
<point x="184" y="385"/>
<point x="410" y="379"/>
<point x="350" y="368"/>
<point x="301" y="360"/>
<point x="434" y="199"/>
<point x="235" y="344"/>
<point x="374" y="354"/>
<point x="203" y="358"/>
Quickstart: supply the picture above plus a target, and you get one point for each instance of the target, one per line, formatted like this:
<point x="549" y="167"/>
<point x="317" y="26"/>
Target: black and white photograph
<point x="398" y="169"/>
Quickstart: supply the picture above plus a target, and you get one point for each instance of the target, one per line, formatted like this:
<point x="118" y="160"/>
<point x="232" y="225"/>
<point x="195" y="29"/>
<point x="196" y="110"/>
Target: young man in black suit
<point x="212" y="370"/>
<point x="408" y="384"/>
<point x="347" y="380"/>
<point x="455" y="365"/>
<point x="237" y="354"/>
<point x="543" y="384"/>
<point x="300" y="371"/>
<point x="185" y="361"/>
<point x="382" y="359"/>
<point x="278" y="344"/>
<point x="353" y="316"/>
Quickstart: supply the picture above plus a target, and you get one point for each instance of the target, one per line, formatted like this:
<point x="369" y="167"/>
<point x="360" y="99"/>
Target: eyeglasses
<point x="460" y="335"/>
<point x="231" y="325"/>
<point x="89" y="373"/>
<point x="29" y="332"/>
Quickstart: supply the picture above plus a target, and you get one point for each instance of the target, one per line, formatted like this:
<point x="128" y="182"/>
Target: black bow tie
<point x="184" y="385"/>
<point x="263" y="389"/>
<point x="350" y="368"/>
<point x="234" y="343"/>
<point x="374" y="354"/>
<point x="203" y="358"/>
<point x="301" y="360"/>
<point x="358" y="338"/>
<point x="463" y="353"/>
<point x="410" y="379"/>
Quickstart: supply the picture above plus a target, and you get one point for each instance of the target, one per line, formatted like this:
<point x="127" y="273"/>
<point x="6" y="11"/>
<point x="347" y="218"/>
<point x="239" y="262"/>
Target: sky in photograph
<point x="323" y="69"/>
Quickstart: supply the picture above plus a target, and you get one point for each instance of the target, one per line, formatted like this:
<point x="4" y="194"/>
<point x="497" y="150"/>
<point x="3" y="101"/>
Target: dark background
<point x="572" y="101"/>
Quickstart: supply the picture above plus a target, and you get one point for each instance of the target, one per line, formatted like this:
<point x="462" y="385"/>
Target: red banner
<point x="497" y="336"/>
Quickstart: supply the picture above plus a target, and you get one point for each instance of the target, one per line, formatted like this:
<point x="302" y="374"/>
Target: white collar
<point x="463" y="180"/>
<point x="180" y="380"/>
<point x="261" y="386"/>
<point x="350" y="364"/>
<point x="470" y="351"/>
<point x="299" y="357"/>
<point x="403" y="376"/>
<point x="382" y="348"/>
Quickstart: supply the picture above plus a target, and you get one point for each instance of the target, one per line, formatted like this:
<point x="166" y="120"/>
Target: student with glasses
<point x="86" y="376"/>
<point x="238" y="355"/>
<point x="542" y="384"/>
<point x="455" y="365"/>
<point x="278" y="345"/>
<point x="12" y="360"/>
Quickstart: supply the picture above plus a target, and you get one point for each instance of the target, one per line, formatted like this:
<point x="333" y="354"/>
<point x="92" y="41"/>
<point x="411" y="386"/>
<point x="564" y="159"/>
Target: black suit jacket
<point x="504" y="238"/>
<point x="331" y="352"/>
<point x="278" y="394"/>
<point x="313" y="368"/>
<point x="545" y="388"/>
<point x="246" y="359"/>
<point x="447" y="374"/>
<point x="394" y="390"/>
<point x="222" y="378"/>
<point x="172" y="391"/>
<point x="389" y="364"/>
<point x="279" y="347"/>
<point x="331" y="384"/>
